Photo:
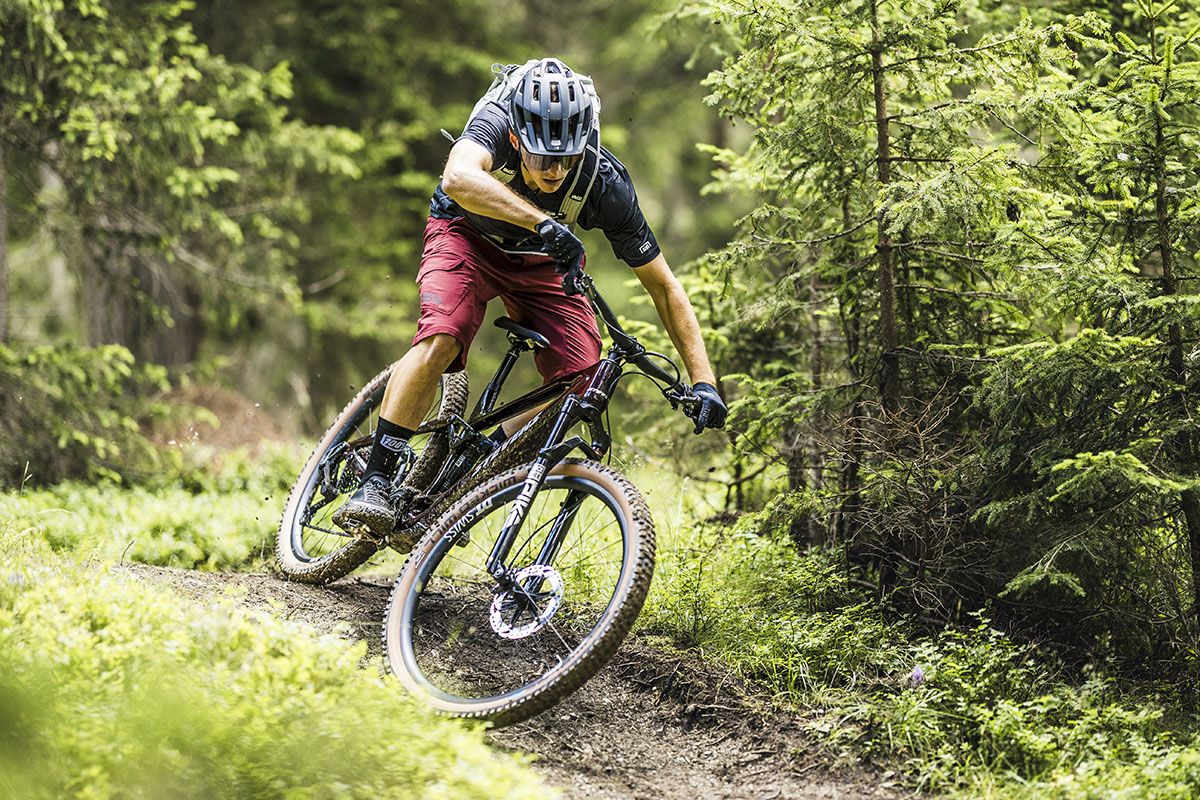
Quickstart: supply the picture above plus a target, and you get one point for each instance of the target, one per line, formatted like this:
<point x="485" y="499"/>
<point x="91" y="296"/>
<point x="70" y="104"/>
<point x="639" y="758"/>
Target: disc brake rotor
<point x="519" y="613"/>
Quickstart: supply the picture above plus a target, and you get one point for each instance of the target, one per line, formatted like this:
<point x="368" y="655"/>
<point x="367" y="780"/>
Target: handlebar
<point x="678" y="393"/>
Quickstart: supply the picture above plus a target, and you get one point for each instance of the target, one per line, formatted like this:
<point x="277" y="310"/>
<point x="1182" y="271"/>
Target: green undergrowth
<point x="965" y="712"/>
<point x="114" y="689"/>
<point x="219" y="512"/>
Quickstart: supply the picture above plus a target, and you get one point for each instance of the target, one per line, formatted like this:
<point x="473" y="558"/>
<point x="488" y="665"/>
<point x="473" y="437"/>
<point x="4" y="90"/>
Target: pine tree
<point x="884" y="194"/>
<point x="1092" y="458"/>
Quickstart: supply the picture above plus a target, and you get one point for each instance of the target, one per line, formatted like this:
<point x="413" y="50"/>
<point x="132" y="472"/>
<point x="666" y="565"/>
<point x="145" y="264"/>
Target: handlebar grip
<point x="658" y="373"/>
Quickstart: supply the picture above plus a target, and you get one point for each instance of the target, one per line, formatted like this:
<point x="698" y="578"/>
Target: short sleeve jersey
<point x="611" y="205"/>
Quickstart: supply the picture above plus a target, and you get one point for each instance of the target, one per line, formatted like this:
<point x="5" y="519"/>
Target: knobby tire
<point x="442" y="644"/>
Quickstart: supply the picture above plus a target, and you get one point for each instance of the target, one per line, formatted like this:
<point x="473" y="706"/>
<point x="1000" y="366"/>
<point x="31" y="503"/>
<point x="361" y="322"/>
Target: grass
<point x="966" y="713"/>
<point x="110" y="688"/>
<point x="220" y="514"/>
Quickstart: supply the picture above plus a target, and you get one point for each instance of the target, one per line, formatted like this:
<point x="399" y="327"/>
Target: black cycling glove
<point x="566" y="250"/>
<point x="571" y="276"/>
<point x="561" y="245"/>
<point x="710" y="411"/>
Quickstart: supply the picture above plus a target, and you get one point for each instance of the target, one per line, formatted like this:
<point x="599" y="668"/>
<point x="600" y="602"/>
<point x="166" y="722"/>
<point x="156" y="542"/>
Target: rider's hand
<point x="571" y="275"/>
<point x="561" y="245"/>
<point x="710" y="411"/>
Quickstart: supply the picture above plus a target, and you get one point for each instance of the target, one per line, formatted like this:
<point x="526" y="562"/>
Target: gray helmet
<point x="551" y="112"/>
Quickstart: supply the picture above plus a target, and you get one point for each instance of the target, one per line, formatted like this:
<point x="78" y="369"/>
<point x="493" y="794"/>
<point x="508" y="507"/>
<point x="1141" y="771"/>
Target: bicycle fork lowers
<point x="587" y="407"/>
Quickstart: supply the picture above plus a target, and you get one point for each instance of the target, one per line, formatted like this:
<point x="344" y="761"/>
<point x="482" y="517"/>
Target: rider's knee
<point x="437" y="351"/>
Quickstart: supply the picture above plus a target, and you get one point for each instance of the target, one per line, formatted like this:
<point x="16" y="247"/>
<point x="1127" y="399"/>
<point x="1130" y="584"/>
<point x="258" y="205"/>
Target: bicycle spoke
<point x="309" y="546"/>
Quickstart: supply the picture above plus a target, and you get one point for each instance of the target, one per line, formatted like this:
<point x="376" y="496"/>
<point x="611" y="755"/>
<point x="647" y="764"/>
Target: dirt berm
<point x="649" y="726"/>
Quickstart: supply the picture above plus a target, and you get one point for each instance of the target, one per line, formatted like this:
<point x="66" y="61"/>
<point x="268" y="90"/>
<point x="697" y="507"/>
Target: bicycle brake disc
<point x="519" y="613"/>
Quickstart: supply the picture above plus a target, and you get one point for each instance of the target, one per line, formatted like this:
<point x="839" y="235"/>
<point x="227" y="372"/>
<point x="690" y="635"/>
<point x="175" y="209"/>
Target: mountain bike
<point x="527" y="565"/>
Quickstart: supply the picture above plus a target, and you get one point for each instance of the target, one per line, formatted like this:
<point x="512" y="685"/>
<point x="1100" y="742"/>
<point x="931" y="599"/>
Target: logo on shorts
<point x="645" y="246"/>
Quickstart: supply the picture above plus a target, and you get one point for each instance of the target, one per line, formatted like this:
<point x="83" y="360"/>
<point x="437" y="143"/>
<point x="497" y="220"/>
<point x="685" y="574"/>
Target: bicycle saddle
<point x="520" y="332"/>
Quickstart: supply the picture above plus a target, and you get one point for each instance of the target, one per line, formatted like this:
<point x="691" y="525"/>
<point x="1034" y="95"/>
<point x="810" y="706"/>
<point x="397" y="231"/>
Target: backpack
<point x="505" y="79"/>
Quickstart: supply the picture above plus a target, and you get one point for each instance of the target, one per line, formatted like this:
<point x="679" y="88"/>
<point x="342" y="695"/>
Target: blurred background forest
<point x="944" y="252"/>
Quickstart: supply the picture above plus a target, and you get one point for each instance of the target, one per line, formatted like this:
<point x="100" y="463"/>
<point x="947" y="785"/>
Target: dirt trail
<point x="647" y="726"/>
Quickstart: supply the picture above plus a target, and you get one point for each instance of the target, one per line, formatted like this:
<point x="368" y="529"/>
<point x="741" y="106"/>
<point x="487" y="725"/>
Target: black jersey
<point x="611" y="205"/>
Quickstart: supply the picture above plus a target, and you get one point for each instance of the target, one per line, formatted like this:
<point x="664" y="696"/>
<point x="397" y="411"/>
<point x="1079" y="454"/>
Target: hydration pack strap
<point x="568" y="212"/>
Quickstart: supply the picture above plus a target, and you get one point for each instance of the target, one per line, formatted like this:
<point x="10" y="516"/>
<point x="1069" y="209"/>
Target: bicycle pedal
<point x="403" y="541"/>
<point x="361" y="530"/>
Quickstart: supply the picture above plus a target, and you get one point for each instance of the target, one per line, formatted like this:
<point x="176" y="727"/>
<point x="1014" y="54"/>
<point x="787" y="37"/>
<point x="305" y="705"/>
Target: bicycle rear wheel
<point x="584" y="559"/>
<point x="309" y="547"/>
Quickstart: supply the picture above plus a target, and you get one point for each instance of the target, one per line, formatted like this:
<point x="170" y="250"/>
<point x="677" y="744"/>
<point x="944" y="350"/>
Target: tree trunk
<point x="889" y="379"/>
<point x="4" y="318"/>
<point x="133" y="300"/>
<point x="1176" y="365"/>
<point x="889" y="389"/>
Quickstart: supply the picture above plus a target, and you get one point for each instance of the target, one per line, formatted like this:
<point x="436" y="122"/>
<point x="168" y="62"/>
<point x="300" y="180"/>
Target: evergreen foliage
<point x="963" y="319"/>
<point x="1089" y="459"/>
<point x="129" y="691"/>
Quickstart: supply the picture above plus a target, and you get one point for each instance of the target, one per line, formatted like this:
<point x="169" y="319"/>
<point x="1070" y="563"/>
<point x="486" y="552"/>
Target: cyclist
<point x="500" y="226"/>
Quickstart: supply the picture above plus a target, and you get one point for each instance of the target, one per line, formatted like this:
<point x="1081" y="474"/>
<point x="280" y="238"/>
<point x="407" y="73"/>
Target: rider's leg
<point x="406" y="401"/>
<point x="454" y="292"/>
<point x="414" y="383"/>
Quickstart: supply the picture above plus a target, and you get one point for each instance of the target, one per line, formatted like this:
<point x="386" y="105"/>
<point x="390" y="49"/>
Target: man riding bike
<point x="493" y="232"/>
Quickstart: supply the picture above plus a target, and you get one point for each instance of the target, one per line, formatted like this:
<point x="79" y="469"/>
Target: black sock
<point x="390" y="440"/>
<point x="499" y="436"/>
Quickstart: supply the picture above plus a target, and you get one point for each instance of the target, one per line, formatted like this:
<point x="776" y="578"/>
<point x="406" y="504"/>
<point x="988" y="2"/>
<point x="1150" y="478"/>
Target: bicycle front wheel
<point x="582" y="562"/>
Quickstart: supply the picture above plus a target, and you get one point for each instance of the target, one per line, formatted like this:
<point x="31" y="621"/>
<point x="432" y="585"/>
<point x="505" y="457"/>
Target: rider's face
<point x="544" y="180"/>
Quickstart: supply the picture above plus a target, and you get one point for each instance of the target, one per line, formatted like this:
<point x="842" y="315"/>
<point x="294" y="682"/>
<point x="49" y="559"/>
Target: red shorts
<point x="461" y="271"/>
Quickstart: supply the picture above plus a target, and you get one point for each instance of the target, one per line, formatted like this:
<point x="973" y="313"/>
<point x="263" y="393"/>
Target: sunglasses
<point x="542" y="163"/>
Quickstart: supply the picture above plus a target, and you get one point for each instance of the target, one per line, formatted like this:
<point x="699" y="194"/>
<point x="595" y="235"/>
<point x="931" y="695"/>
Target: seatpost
<point x="491" y="392"/>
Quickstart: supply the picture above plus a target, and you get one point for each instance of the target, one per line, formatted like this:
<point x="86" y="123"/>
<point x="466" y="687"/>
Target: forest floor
<point x="649" y="725"/>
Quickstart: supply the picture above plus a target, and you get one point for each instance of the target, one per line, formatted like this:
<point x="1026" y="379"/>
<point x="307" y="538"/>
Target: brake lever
<point x="681" y="395"/>
<point x="572" y="285"/>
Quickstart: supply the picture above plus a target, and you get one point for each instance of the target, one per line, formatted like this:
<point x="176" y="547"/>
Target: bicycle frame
<point x="581" y="397"/>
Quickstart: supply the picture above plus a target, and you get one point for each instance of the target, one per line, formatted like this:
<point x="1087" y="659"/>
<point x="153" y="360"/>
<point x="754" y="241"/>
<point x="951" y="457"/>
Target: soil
<point x="650" y="725"/>
<point x="236" y="421"/>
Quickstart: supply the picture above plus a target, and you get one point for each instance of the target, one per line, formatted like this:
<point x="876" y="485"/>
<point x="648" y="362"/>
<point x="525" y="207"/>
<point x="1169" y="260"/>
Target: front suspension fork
<point x="548" y="457"/>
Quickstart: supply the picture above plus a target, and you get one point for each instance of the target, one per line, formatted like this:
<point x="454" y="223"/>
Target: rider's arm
<point x="678" y="317"/>
<point x="468" y="182"/>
